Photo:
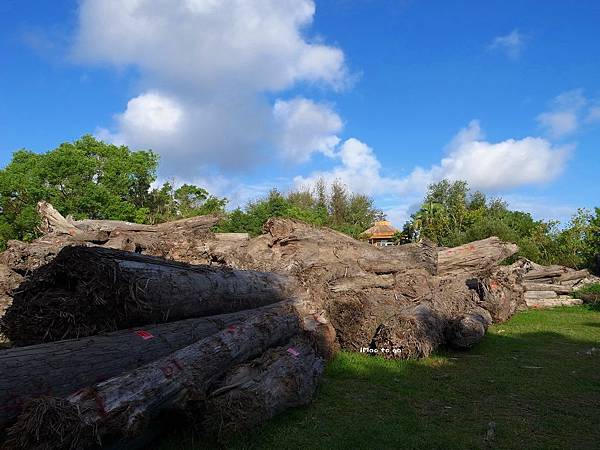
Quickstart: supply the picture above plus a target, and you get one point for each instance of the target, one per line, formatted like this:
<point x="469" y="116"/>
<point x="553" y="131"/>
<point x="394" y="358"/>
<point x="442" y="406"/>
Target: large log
<point x="574" y="275"/>
<point x="559" y="289"/>
<point x="88" y="290"/>
<point x="122" y="408"/>
<point x="61" y="368"/>
<point x="474" y="257"/>
<point x="253" y="392"/>
<point x="545" y="273"/>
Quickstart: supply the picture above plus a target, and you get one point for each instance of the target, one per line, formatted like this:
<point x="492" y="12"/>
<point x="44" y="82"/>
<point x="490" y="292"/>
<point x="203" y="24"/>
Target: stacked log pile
<point x="547" y="287"/>
<point x="227" y="330"/>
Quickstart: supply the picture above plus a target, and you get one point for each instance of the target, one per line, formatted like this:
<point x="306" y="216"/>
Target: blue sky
<point x="388" y="96"/>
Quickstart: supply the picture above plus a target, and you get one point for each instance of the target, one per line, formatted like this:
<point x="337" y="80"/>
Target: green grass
<point x="534" y="376"/>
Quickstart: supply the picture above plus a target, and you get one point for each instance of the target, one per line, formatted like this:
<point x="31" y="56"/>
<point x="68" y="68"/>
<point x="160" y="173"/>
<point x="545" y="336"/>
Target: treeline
<point x="92" y="179"/>
<point x="332" y="206"/>
<point x="452" y="215"/>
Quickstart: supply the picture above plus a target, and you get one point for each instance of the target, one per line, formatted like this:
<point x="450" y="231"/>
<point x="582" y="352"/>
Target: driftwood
<point x="535" y="295"/>
<point x="122" y="408"/>
<point x="87" y="290"/>
<point x="558" y="288"/>
<point x="61" y="368"/>
<point x="474" y="257"/>
<point x="254" y="392"/>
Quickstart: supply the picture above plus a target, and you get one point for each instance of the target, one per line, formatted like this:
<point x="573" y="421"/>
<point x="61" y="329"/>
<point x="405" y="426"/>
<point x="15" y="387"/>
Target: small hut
<point x="380" y="234"/>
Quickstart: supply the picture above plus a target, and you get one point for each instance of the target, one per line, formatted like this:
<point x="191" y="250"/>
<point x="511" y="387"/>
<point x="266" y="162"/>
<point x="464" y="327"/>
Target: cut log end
<point x="50" y="423"/>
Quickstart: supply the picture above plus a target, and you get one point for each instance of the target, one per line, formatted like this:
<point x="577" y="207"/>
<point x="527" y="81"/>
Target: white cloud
<point x="484" y="165"/>
<point x="563" y="118"/>
<point x="510" y="44"/>
<point x="593" y="115"/>
<point x="306" y="127"/>
<point x="215" y="63"/>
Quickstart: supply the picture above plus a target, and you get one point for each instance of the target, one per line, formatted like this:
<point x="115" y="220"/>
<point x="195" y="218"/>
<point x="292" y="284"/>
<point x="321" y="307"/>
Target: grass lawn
<point x="535" y="377"/>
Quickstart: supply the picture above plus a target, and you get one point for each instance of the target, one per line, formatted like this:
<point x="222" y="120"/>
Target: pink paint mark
<point x="145" y="335"/>
<point x="231" y="328"/>
<point x="293" y="352"/>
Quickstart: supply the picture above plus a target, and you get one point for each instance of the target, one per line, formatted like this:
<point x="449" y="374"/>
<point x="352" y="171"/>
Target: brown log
<point x="475" y="257"/>
<point x="575" y="275"/>
<point x="254" y="392"/>
<point x="545" y="273"/>
<point x="559" y="289"/>
<point x="88" y="290"/>
<point x="534" y="295"/>
<point x="118" y="410"/>
<point x="61" y="368"/>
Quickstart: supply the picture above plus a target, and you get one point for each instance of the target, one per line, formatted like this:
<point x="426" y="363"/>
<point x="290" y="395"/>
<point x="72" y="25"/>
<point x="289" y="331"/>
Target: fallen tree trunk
<point x="545" y="273"/>
<point x="120" y="409"/>
<point x="88" y="290"/>
<point x="559" y="289"/>
<point x="254" y="392"/>
<point x="61" y="368"/>
<point x="575" y="275"/>
<point x="536" y="295"/>
<point x="474" y="257"/>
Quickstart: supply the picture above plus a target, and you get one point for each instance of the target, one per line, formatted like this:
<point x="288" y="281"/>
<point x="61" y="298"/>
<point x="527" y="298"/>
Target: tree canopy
<point x="91" y="179"/>
<point x="452" y="215"/>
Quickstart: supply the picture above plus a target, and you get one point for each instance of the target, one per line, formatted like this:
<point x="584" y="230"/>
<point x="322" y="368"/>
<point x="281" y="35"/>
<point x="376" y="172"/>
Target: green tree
<point x="91" y="179"/>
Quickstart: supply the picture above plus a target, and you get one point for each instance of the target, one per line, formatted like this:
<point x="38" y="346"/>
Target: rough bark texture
<point x="118" y="410"/>
<point x="474" y="257"/>
<point x="61" y="368"/>
<point x="87" y="290"/>
<point x="253" y="392"/>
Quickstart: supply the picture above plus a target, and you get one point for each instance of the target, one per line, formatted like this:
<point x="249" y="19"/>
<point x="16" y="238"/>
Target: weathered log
<point x="118" y="410"/>
<point x="54" y="222"/>
<point x="475" y="257"/>
<point x="252" y="393"/>
<point x="467" y="330"/>
<point x="501" y="290"/>
<point x="575" y="275"/>
<point x="87" y="290"/>
<point x="545" y="273"/>
<point x="531" y="295"/>
<point x="559" y="289"/>
<point x="61" y="368"/>
<point x="9" y="279"/>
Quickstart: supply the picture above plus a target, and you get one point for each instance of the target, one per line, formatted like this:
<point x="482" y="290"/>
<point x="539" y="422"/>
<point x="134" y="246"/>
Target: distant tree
<point x="91" y="179"/>
<point x="340" y="209"/>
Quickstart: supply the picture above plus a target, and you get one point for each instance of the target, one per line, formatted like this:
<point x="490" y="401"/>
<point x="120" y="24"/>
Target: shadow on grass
<point x="540" y="389"/>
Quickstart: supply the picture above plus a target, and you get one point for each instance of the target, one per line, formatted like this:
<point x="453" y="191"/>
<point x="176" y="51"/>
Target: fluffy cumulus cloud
<point x="510" y="44"/>
<point x="208" y="67"/>
<point x="306" y="127"/>
<point x="484" y="165"/>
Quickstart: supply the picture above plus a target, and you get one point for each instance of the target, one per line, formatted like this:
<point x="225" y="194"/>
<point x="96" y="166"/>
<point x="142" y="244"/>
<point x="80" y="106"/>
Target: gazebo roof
<point x="380" y="230"/>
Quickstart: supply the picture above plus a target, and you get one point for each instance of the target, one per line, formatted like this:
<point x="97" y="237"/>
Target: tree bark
<point x="475" y="257"/>
<point x="88" y="290"/>
<point x="574" y="275"/>
<point x="61" y="368"/>
<point x="118" y="410"/>
<point x="254" y="392"/>
<point x="559" y="289"/>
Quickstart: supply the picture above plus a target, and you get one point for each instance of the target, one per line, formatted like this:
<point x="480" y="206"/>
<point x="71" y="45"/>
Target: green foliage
<point x="340" y="210"/>
<point x="451" y="215"/>
<point x="91" y="179"/>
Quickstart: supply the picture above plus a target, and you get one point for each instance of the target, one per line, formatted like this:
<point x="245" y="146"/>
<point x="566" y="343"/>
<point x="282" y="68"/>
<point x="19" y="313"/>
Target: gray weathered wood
<point x="559" y="289"/>
<point x="474" y="257"/>
<point x="61" y="368"/>
<point x="120" y="409"/>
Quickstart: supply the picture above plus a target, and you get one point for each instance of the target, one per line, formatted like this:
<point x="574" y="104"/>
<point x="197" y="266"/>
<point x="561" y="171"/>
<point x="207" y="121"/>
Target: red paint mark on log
<point x="293" y="352"/>
<point x="231" y="328"/>
<point x="493" y="285"/>
<point x="145" y="335"/>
